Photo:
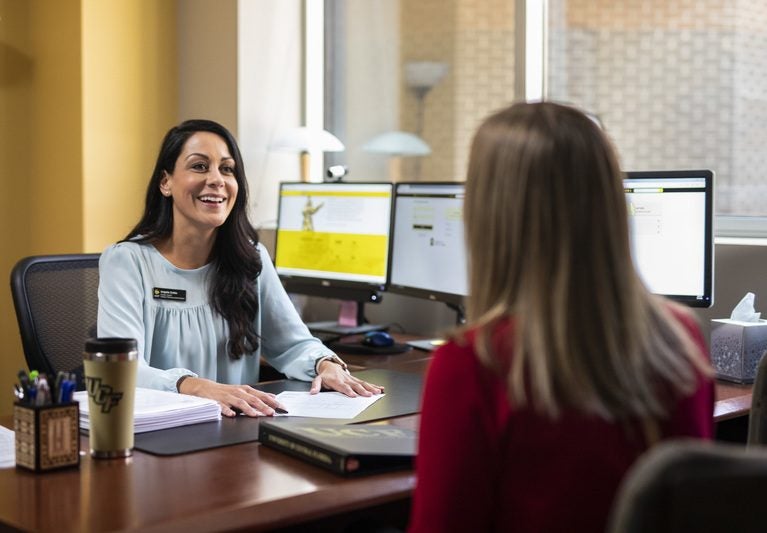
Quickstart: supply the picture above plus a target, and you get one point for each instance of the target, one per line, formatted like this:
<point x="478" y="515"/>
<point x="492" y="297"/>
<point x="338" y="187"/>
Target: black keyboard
<point x="326" y="336"/>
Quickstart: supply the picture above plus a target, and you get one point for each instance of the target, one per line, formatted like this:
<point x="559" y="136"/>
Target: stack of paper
<point x="7" y="448"/>
<point x="155" y="409"/>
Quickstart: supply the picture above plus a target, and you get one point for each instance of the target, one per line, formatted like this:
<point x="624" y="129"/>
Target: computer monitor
<point x="671" y="227"/>
<point x="428" y="254"/>
<point x="333" y="241"/>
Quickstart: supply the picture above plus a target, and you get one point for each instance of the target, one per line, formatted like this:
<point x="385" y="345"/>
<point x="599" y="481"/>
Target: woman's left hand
<point x="334" y="376"/>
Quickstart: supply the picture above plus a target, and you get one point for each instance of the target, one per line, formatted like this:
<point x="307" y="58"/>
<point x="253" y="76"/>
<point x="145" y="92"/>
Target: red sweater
<point x="483" y="465"/>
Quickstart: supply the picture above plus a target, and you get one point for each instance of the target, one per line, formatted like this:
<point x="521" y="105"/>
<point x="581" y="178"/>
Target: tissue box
<point x="737" y="347"/>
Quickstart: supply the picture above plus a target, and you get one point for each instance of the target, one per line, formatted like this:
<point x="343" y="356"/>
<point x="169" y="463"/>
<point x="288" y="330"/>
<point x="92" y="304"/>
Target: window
<point x="679" y="84"/>
<point x="428" y="68"/>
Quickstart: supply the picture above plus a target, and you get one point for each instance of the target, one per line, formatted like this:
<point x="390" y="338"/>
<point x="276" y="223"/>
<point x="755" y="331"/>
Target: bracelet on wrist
<point x="332" y="359"/>
<point x="181" y="380"/>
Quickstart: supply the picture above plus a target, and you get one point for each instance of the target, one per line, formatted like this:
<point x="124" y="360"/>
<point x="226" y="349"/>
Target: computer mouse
<point x="377" y="339"/>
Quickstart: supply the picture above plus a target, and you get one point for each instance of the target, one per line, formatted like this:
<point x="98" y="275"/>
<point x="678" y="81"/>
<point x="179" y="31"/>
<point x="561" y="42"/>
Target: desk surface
<point x="236" y="487"/>
<point x="732" y="400"/>
<point x="222" y="489"/>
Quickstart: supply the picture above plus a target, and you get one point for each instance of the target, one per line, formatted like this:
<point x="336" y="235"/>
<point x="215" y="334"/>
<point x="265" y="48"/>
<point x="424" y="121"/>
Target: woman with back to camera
<point x="568" y="368"/>
<point x="193" y="285"/>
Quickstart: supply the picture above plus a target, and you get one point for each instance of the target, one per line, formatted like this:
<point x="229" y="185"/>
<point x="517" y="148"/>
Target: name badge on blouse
<point x="169" y="294"/>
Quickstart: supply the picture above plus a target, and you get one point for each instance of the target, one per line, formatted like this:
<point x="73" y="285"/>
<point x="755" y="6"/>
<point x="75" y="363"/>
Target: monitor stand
<point x="432" y="344"/>
<point x="351" y="321"/>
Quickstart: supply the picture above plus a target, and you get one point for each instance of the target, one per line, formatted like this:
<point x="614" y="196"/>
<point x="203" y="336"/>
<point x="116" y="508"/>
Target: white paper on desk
<point x="325" y="404"/>
<point x="7" y="448"/>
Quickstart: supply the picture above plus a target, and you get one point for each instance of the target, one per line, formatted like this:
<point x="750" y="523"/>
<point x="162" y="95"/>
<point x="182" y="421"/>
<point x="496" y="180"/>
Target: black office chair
<point x="56" y="302"/>
<point x="690" y="485"/>
<point x="757" y="417"/>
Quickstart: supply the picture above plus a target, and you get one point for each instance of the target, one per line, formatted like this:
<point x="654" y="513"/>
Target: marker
<point x="67" y="389"/>
<point x="24" y="383"/>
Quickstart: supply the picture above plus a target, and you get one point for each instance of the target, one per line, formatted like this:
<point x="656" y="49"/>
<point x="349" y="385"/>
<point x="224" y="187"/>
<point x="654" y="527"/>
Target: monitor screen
<point x="670" y="220"/>
<point x="333" y="239"/>
<point x="428" y="257"/>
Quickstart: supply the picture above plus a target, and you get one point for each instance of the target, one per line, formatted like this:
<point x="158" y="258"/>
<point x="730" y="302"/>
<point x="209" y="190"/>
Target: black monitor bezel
<point x="707" y="298"/>
<point x="340" y="289"/>
<point x="452" y="299"/>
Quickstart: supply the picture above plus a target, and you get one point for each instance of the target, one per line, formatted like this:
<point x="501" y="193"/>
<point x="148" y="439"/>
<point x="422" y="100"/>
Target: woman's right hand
<point x="233" y="398"/>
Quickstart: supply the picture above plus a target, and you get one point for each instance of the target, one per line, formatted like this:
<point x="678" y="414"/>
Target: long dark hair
<point x="236" y="262"/>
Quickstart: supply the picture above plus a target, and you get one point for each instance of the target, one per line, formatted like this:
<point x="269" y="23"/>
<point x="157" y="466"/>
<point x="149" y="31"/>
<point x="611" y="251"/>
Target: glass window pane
<point x="429" y="68"/>
<point x="678" y="84"/>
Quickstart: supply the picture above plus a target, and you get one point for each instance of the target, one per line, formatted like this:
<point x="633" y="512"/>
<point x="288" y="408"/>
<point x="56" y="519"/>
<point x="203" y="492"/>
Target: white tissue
<point x="744" y="311"/>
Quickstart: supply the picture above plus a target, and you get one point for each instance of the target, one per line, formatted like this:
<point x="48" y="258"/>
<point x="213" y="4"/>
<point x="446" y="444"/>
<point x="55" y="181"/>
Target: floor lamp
<point x="421" y="77"/>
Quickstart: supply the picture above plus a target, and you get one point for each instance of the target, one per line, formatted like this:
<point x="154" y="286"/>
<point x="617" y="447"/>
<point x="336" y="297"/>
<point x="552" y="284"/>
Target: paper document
<point x="325" y="404"/>
<point x="7" y="448"/>
<point x="156" y="409"/>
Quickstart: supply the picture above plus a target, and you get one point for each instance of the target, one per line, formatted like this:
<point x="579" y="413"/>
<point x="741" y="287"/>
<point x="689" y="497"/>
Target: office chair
<point x="689" y="485"/>
<point x="56" y="302"/>
<point x="757" y="417"/>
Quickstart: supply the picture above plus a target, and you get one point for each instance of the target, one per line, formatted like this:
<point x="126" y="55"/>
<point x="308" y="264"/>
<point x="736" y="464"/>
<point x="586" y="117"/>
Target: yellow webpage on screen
<point x="333" y="252"/>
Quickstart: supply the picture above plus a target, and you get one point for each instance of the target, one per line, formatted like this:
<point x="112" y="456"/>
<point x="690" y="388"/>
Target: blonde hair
<point x="547" y="239"/>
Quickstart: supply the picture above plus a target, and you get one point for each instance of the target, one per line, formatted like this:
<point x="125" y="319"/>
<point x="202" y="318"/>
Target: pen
<point x="24" y="381"/>
<point x="278" y="410"/>
<point x="56" y="391"/>
<point x="67" y="389"/>
<point x="31" y="395"/>
<point x="43" y="391"/>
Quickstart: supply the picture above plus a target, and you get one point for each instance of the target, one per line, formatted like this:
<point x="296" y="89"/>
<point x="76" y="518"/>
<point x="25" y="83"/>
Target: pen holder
<point x="47" y="436"/>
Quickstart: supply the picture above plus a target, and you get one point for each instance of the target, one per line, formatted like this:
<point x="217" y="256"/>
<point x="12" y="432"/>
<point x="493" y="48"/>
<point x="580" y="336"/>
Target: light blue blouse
<point x="180" y="336"/>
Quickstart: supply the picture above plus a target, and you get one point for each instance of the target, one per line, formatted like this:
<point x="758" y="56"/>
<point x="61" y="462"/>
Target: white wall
<point x="269" y="97"/>
<point x="739" y="268"/>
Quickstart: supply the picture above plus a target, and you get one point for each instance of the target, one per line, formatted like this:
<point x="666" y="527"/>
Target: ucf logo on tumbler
<point x="110" y="366"/>
<point x="102" y="395"/>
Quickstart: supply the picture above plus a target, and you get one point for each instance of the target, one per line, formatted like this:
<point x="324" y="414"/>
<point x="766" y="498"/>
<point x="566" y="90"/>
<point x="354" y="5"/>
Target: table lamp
<point x="397" y="144"/>
<point x="304" y="141"/>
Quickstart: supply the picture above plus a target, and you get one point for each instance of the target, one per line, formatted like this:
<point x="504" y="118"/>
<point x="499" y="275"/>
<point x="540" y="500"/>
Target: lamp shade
<point x="424" y="75"/>
<point x="397" y="143"/>
<point x="306" y="139"/>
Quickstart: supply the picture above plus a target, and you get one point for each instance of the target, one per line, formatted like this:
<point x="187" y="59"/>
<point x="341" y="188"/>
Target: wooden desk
<point x="243" y="486"/>
<point x="246" y="486"/>
<point x="732" y="401"/>
<point x="414" y="360"/>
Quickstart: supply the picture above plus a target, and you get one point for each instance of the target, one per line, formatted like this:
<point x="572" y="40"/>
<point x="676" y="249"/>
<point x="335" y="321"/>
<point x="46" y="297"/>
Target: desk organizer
<point x="47" y="436"/>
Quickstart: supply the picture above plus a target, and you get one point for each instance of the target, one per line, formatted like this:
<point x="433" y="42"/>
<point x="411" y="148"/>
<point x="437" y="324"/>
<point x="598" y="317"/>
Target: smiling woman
<point x="199" y="293"/>
<point x="203" y="187"/>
